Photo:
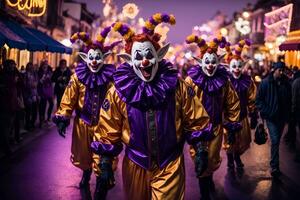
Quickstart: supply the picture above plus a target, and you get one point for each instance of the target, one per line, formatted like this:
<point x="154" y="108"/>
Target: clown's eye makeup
<point x="97" y="57"/>
<point x="149" y="55"/>
<point x="91" y="57"/>
<point x="207" y="61"/>
<point x="233" y="66"/>
<point x="213" y="61"/>
<point x="138" y="56"/>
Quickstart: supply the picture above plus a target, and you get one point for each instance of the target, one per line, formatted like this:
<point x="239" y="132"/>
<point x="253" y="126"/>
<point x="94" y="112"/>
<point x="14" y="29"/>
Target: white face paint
<point x="144" y="59"/>
<point x="209" y="63"/>
<point x="235" y="67"/>
<point x="94" y="59"/>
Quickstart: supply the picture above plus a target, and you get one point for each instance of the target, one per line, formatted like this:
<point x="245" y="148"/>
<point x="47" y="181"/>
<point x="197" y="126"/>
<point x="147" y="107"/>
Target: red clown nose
<point x="145" y="63"/>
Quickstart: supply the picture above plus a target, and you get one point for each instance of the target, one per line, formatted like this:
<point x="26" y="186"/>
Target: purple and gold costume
<point x="246" y="90"/>
<point x="84" y="94"/>
<point x="221" y="102"/>
<point x="153" y="120"/>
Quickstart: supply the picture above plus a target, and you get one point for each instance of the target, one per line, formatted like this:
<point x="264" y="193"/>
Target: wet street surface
<point x="42" y="170"/>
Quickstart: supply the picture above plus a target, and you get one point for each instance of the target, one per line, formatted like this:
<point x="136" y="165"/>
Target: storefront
<point x="291" y="47"/>
<point x="24" y="44"/>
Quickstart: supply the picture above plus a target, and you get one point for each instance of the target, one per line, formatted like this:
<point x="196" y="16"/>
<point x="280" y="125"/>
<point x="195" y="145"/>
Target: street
<point x="42" y="170"/>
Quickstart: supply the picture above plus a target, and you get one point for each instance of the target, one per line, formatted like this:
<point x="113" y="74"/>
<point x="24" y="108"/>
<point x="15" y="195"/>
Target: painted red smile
<point x="146" y="71"/>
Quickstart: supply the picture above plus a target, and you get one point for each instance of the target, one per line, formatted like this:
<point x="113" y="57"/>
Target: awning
<point x="292" y="42"/>
<point x="8" y="37"/>
<point x="52" y="45"/>
<point x="17" y="36"/>
<point x="33" y="43"/>
<point x="290" y="46"/>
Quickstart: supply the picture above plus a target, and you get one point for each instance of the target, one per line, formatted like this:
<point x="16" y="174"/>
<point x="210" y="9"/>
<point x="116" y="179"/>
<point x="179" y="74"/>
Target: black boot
<point x="204" y="188"/>
<point x="238" y="161"/>
<point x="230" y="161"/>
<point x="86" y="176"/>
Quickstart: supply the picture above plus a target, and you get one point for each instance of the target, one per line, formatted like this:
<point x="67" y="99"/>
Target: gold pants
<point x="158" y="184"/>
<point x="242" y="139"/>
<point x="82" y="137"/>
<point x="214" y="158"/>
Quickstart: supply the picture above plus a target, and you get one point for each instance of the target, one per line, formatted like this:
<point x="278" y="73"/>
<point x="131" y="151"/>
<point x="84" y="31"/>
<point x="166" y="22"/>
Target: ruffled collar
<point x="145" y="95"/>
<point x="207" y="83"/>
<point x="94" y="80"/>
<point x="242" y="83"/>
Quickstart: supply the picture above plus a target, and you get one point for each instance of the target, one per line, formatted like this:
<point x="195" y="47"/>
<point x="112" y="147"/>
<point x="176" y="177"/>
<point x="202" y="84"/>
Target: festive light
<point x="246" y="14"/>
<point x="243" y="26"/>
<point x="224" y="31"/>
<point x="130" y="10"/>
<point x="35" y="8"/>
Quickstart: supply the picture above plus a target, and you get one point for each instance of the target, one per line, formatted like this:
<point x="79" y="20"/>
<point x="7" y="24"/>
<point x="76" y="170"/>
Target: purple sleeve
<point x="233" y="126"/>
<point x="61" y="119"/>
<point x="106" y="149"/>
<point x="205" y="134"/>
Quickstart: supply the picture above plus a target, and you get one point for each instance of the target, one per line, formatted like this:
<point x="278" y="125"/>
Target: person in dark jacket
<point x="273" y="101"/>
<point x="61" y="78"/>
<point x="290" y="136"/>
<point x="8" y="102"/>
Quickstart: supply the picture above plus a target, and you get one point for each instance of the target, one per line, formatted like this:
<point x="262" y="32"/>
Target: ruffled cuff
<point x="107" y="149"/>
<point x="205" y="134"/>
<point x="233" y="126"/>
<point x="57" y="119"/>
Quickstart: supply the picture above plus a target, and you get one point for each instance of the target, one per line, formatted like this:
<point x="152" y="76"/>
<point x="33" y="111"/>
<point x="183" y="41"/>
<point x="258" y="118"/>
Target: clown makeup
<point x="235" y="67"/>
<point x="94" y="59"/>
<point x="144" y="59"/>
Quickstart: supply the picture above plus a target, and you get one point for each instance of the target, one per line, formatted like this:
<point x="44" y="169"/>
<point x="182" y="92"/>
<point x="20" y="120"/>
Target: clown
<point x="152" y="112"/>
<point x="85" y="94"/>
<point x="211" y="85"/>
<point x="246" y="90"/>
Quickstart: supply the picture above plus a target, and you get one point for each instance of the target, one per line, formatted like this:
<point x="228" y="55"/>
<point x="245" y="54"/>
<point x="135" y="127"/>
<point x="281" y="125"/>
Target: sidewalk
<point x="29" y="136"/>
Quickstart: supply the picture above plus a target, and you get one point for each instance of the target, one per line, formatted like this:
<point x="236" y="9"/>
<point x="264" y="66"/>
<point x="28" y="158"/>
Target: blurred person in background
<point x="45" y="91"/>
<point x="30" y="96"/>
<point x="273" y="101"/>
<point x="8" y="102"/>
<point x="296" y="108"/>
<point x="61" y="78"/>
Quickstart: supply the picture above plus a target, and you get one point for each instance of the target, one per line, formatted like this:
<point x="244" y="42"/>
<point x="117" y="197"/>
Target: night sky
<point x="188" y="13"/>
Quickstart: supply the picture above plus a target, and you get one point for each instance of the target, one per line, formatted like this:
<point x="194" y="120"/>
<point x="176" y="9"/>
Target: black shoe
<point x="86" y="176"/>
<point x="204" y="188"/>
<point x="230" y="161"/>
<point x="275" y="173"/>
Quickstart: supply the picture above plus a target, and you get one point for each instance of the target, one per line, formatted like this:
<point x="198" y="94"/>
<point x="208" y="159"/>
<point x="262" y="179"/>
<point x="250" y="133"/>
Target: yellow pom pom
<point x="128" y="35"/>
<point x="157" y="17"/>
<point x="172" y="19"/>
<point x="238" y="48"/>
<point x="149" y="25"/>
<point x="242" y="42"/>
<point x="100" y="39"/>
<point x="212" y="44"/>
<point x="117" y="26"/>
<point x="191" y="38"/>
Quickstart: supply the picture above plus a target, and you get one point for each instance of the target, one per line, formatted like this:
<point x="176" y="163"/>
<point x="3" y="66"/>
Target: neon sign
<point x="35" y="8"/>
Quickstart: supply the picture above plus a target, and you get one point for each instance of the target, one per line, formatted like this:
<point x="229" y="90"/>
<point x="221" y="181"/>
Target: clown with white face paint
<point x="210" y="82"/>
<point x="246" y="90"/>
<point x="152" y="112"/>
<point x="84" y="94"/>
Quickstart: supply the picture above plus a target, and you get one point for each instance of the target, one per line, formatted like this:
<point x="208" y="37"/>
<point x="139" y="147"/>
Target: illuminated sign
<point x="35" y="8"/>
